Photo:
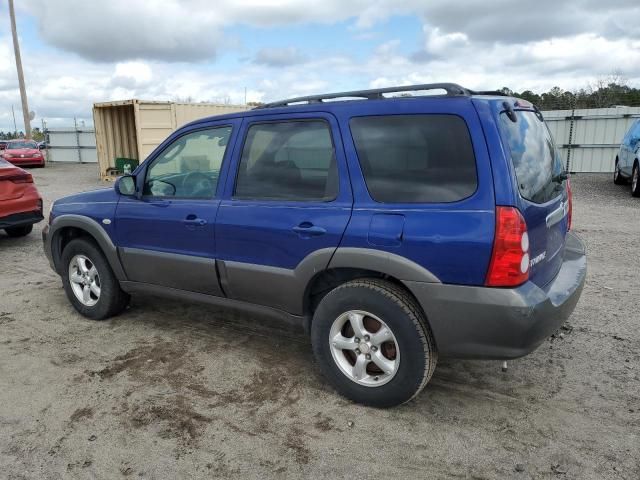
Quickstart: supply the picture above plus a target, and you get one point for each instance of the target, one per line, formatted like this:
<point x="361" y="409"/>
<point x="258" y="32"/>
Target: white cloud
<point x="164" y="50"/>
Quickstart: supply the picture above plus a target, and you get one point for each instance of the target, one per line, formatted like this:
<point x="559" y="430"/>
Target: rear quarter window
<point x="415" y="158"/>
<point x="534" y="156"/>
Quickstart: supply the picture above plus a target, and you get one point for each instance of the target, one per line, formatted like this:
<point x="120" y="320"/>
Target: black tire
<point x="112" y="299"/>
<point x="401" y="313"/>
<point x="19" y="231"/>
<point x="635" y="180"/>
<point x="617" y="178"/>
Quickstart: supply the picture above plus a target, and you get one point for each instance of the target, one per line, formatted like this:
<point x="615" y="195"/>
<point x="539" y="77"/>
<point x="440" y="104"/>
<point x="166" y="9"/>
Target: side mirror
<point x="126" y="185"/>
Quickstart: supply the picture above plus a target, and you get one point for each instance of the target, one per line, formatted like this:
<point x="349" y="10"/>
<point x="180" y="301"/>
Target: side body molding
<point x="285" y="289"/>
<point x="94" y="229"/>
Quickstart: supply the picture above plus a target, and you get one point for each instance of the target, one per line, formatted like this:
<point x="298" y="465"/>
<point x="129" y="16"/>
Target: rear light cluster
<point x="18" y="178"/>
<point x="509" y="266"/>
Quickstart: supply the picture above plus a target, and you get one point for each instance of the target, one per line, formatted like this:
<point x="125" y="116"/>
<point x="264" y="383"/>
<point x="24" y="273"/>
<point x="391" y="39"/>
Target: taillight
<point x="509" y="266"/>
<point x="19" y="178"/>
<point x="570" y="201"/>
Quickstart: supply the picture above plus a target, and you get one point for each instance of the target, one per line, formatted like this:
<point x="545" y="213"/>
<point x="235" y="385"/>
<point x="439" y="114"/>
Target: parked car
<point x="627" y="166"/>
<point x="395" y="230"/>
<point x="3" y="144"/>
<point x="23" y="153"/>
<point x="43" y="145"/>
<point x="20" y="202"/>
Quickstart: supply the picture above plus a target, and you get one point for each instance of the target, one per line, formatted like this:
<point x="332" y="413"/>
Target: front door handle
<point x="194" y="221"/>
<point x="308" y="229"/>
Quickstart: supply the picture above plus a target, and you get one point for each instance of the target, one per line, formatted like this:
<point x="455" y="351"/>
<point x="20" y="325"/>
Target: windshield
<point x="18" y="145"/>
<point x="534" y="156"/>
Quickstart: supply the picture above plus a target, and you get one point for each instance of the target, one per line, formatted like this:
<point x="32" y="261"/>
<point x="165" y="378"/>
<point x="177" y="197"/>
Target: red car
<point x="20" y="202"/>
<point x="23" y="152"/>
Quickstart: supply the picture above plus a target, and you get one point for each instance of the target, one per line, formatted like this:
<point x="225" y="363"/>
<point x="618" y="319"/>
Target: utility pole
<point x="23" y="91"/>
<point x="15" y="127"/>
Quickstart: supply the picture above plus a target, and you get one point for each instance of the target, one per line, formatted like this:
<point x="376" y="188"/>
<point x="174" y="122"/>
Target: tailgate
<point x="542" y="185"/>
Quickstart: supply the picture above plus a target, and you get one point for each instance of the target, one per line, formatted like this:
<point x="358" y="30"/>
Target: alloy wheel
<point x="84" y="280"/>
<point x="364" y="348"/>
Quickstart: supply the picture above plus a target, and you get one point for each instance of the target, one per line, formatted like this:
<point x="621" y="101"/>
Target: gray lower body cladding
<point x="496" y="323"/>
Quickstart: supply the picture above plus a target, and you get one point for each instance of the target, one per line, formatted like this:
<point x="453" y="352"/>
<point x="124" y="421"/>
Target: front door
<point x="285" y="208"/>
<point x="166" y="235"/>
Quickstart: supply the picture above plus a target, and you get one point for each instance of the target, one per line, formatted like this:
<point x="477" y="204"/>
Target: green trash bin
<point x="121" y="162"/>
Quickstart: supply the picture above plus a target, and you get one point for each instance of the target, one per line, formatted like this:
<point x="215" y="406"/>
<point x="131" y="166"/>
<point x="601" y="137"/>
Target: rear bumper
<point x="495" y="323"/>
<point x="21" y="219"/>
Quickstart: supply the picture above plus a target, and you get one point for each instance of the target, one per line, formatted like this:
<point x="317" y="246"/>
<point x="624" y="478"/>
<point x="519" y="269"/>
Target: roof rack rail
<point x="496" y="93"/>
<point x="452" y="89"/>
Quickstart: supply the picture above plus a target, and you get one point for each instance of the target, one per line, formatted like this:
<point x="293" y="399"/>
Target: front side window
<point x="190" y="166"/>
<point x="290" y="161"/>
<point x="534" y="156"/>
<point x="415" y="158"/>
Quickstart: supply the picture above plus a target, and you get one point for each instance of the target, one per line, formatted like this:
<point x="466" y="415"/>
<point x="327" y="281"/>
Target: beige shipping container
<point x="134" y="128"/>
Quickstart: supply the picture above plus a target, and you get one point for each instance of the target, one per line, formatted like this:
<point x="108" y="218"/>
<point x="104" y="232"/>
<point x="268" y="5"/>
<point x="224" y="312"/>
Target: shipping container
<point x="134" y="128"/>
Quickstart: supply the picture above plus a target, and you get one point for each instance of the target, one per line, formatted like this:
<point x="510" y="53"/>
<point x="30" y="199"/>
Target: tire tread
<point x="406" y="302"/>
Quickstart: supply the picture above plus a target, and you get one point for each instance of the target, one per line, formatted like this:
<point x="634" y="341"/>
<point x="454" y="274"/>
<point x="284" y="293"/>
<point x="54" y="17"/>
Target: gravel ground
<point x="171" y="390"/>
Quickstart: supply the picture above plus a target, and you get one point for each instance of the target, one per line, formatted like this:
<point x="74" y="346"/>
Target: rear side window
<point x="292" y="161"/>
<point x="534" y="156"/>
<point x="415" y="158"/>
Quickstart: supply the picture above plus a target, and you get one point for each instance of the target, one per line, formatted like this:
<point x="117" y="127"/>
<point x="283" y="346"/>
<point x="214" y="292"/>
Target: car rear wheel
<point x="617" y="178"/>
<point x="19" y="231"/>
<point x="89" y="282"/>
<point x="635" y="180"/>
<point x="372" y="342"/>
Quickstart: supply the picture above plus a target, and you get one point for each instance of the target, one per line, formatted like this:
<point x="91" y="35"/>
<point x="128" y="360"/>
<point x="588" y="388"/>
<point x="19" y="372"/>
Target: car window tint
<point x="534" y="156"/>
<point x="190" y="166"/>
<point x="415" y="158"/>
<point x="292" y="161"/>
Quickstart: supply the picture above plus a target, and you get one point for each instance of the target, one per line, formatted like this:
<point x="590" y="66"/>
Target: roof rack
<point x="496" y="93"/>
<point x="452" y="89"/>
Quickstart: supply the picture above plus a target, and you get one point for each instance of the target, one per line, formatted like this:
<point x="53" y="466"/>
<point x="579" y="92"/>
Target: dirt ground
<point x="172" y="390"/>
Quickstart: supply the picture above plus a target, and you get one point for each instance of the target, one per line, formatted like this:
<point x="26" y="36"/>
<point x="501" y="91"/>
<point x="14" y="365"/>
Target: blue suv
<point x="627" y="164"/>
<point x="393" y="228"/>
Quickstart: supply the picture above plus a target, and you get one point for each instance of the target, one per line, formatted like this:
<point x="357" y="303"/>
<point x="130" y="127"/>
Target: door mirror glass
<point x="126" y="185"/>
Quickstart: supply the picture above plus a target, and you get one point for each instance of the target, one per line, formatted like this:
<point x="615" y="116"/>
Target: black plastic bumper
<point x="495" y="323"/>
<point x="21" y="219"/>
<point x="46" y="244"/>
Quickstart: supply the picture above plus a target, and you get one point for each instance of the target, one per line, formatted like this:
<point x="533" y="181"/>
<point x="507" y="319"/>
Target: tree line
<point x="36" y="134"/>
<point x="600" y="95"/>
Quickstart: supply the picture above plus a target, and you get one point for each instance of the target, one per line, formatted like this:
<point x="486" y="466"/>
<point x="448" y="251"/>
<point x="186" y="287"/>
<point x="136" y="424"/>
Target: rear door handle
<point x="309" y="229"/>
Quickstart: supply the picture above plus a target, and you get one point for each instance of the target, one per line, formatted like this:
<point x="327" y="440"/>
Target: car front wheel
<point x="635" y="181"/>
<point x="617" y="178"/>
<point x="89" y="282"/>
<point x="372" y="343"/>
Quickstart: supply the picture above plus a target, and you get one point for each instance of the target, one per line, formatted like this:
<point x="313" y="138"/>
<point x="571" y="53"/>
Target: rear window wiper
<point x="560" y="177"/>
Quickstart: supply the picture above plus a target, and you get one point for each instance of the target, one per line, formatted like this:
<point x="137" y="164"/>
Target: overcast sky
<point x="77" y="52"/>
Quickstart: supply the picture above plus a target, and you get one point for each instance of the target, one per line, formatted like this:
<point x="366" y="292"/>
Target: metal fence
<point x="76" y="145"/>
<point x="589" y="139"/>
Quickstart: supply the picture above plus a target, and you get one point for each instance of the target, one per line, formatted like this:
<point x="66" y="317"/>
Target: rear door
<point x="543" y="201"/>
<point x="12" y="180"/>
<point x="286" y="206"/>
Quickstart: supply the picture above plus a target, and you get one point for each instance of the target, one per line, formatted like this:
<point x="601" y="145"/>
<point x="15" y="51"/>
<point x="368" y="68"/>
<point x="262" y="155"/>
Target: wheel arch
<point x="67" y="227"/>
<point x="327" y="280"/>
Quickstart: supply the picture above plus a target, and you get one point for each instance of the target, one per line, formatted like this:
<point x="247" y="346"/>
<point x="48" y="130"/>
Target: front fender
<point x="92" y="228"/>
